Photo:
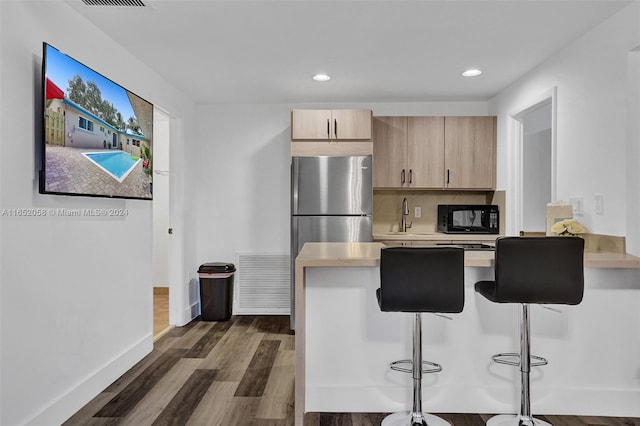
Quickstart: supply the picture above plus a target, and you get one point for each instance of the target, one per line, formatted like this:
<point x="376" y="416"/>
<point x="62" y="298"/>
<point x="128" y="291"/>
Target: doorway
<point x="161" y="240"/>
<point x="535" y="142"/>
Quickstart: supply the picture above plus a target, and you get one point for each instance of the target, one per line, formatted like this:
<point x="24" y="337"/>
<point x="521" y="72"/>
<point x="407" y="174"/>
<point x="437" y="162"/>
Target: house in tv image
<point x="84" y="154"/>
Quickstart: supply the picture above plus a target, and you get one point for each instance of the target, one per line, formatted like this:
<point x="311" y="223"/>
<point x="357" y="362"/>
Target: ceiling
<point x="266" y="51"/>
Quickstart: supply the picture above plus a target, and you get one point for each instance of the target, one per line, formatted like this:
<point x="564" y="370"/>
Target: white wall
<point x="592" y="136"/>
<point x="242" y="168"/>
<point x="76" y="300"/>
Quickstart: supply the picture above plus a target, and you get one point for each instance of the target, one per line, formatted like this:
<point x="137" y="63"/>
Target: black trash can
<point x="216" y="290"/>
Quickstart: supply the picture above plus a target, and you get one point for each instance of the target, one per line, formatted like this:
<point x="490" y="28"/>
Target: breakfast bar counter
<point x="344" y="344"/>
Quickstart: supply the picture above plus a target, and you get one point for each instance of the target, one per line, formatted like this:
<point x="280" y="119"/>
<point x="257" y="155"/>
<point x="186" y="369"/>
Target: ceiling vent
<point x="136" y="3"/>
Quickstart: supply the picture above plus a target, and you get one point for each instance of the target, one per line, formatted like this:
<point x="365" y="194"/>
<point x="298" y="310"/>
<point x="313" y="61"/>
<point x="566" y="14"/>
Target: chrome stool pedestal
<point x="408" y="419"/>
<point x="511" y="420"/>
<point x="524" y="418"/>
<point x="415" y="417"/>
<point x="420" y="280"/>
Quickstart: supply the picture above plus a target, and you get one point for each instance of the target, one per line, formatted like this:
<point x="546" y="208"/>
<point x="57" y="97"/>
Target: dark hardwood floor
<point x="239" y="372"/>
<point x="374" y="419"/>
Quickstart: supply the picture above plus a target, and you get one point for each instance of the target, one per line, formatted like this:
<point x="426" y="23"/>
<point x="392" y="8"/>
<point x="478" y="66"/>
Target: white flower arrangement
<point x="568" y="228"/>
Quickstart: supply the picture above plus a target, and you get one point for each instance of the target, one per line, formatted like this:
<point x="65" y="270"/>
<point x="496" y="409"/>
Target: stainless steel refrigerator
<point x="331" y="201"/>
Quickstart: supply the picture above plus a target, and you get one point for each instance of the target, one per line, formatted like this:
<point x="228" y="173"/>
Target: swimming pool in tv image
<point x="70" y="171"/>
<point x="117" y="164"/>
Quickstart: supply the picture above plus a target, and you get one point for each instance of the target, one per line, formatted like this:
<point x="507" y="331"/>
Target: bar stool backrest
<point x="421" y="279"/>
<point x="539" y="270"/>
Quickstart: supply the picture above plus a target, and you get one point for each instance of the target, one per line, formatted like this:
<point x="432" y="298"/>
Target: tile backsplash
<point x="387" y="207"/>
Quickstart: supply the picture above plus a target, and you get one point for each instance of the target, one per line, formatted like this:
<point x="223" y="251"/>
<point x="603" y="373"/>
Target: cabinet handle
<point x="335" y="128"/>
<point x="448" y="176"/>
<point x="328" y="131"/>
<point x="410" y="176"/>
<point x="402" y="176"/>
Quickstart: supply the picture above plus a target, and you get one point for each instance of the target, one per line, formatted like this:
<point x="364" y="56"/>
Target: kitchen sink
<point x="466" y="246"/>
<point x="469" y="246"/>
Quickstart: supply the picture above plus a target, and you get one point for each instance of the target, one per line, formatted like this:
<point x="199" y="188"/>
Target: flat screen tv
<point x="97" y="137"/>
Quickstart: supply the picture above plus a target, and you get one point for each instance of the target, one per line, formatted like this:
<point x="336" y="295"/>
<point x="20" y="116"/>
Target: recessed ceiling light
<point x="322" y="77"/>
<point x="473" y="72"/>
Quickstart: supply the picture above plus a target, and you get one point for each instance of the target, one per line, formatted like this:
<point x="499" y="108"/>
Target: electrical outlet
<point x="417" y="212"/>
<point x="599" y="203"/>
<point x="576" y="205"/>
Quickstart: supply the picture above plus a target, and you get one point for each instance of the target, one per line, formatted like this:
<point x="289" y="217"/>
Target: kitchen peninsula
<point x="344" y="343"/>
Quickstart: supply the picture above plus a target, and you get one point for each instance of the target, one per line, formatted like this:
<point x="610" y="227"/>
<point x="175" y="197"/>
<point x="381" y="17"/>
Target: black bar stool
<point x="416" y="280"/>
<point x="545" y="270"/>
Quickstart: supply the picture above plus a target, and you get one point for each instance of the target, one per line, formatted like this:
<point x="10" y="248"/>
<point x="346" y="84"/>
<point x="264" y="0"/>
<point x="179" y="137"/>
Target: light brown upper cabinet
<point x="434" y="152"/>
<point x="331" y="125"/>
<point x="389" y="152"/>
<point x="408" y="152"/>
<point x="425" y="143"/>
<point x="470" y="152"/>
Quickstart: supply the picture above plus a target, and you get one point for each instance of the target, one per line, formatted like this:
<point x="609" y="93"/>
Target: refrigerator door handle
<point x="295" y="173"/>
<point x="294" y="243"/>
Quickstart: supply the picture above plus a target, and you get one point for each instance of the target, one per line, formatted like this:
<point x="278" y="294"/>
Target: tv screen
<point x="97" y="135"/>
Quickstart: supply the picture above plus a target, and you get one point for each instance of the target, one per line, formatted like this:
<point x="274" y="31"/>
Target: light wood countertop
<point x="610" y="260"/>
<point x="340" y="254"/>
<point x="368" y="254"/>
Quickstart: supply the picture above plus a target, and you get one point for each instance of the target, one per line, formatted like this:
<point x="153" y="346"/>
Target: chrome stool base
<point x="431" y="367"/>
<point x="534" y="361"/>
<point x="515" y="420"/>
<point x="405" y="419"/>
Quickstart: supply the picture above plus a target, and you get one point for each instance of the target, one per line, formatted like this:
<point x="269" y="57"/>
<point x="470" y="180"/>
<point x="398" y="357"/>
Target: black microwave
<point x="468" y="219"/>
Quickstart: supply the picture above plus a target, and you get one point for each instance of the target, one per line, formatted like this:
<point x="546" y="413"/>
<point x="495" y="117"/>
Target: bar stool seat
<point x="544" y="270"/>
<point x="418" y="280"/>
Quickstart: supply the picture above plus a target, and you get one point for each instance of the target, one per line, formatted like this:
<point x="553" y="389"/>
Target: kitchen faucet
<point x="405" y="212"/>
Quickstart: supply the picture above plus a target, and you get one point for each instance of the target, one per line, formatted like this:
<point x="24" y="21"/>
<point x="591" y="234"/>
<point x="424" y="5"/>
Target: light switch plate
<point x="599" y="203"/>
<point x="576" y="205"/>
<point x="417" y="212"/>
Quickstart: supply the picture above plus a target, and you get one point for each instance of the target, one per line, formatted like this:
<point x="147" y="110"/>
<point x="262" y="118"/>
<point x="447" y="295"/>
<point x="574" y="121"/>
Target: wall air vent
<point x="136" y="3"/>
<point x="262" y="285"/>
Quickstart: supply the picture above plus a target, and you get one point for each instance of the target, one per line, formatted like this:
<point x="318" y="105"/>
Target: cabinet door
<point x="470" y="152"/>
<point x="311" y="124"/>
<point x="351" y="124"/>
<point x="389" y="152"/>
<point x="425" y="152"/>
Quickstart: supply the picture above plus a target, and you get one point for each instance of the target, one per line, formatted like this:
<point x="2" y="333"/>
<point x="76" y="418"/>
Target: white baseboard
<point x="60" y="409"/>
<point x="461" y="399"/>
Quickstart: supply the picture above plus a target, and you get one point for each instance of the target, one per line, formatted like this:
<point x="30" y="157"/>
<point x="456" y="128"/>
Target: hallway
<point x="160" y="311"/>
